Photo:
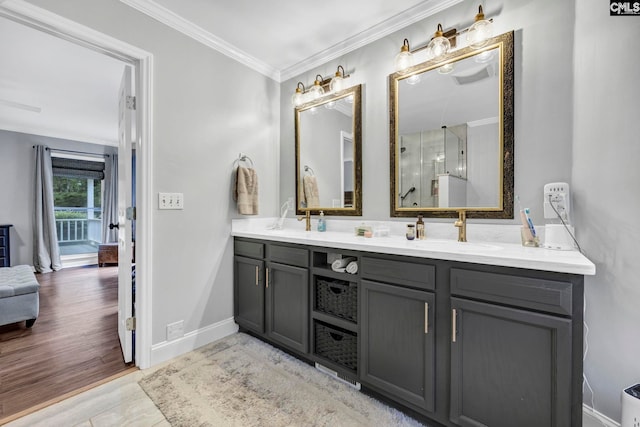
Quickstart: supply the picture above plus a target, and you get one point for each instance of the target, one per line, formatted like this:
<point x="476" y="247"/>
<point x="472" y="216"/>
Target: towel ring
<point x="308" y="169"/>
<point x="244" y="158"/>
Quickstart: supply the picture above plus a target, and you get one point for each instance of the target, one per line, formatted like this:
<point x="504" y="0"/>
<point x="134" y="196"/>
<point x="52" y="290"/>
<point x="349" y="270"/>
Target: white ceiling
<point x="53" y="87"/>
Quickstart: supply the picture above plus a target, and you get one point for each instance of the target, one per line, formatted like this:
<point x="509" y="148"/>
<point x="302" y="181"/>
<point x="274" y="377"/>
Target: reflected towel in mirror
<point x="246" y="191"/>
<point x="310" y="187"/>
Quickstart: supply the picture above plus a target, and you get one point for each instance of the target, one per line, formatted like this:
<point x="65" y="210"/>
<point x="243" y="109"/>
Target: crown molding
<point x="397" y="22"/>
<point x="188" y="28"/>
<point x="391" y="25"/>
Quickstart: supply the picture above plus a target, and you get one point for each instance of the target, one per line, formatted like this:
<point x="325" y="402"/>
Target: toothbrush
<point x="529" y="222"/>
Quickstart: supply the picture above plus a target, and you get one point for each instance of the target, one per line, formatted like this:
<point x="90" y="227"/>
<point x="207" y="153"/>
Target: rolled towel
<point x="352" y="267"/>
<point x="340" y="264"/>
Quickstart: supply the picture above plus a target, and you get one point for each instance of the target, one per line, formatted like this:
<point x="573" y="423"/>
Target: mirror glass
<point x="452" y="134"/>
<point x="328" y="167"/>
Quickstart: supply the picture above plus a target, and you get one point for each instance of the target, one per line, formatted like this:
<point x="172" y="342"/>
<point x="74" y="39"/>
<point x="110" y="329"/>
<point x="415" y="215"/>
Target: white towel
<point x="352" y="267"/>
<point x="340" y="265"/>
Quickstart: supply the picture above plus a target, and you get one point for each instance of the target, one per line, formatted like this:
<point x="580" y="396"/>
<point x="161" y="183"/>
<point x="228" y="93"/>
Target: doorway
<point x="141" y="63"/>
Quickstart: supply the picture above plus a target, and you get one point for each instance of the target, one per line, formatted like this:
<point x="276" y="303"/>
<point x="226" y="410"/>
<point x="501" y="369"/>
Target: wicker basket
<point x="338" y="298"/>
<point x="336" y="345"/>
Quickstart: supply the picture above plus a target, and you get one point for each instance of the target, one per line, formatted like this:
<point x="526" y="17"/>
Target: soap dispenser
<point x="322" y="225"/>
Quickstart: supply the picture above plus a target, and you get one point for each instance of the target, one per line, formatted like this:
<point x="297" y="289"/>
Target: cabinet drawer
<point x="249" y="249"/>
<point x="3" y="251"/>
<point x="406" y="273"/>
<point x="3" y="241"/>
<point x="289" y="255"/>
<point x="537" y="294"/>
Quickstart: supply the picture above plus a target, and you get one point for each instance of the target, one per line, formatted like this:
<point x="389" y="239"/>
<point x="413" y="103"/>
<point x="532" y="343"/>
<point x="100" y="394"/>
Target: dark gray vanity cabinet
<point x="287" y="297"/>
<point x="271" y="292"/>
<point x="511" y="351"/>
<point x="460" y="344"/>
<point x="249" y="285"/>
<point x="397" y="344"/>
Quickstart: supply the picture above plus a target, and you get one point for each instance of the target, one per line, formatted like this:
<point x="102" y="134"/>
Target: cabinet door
<point x="249" y="293"/>
<point x="288" y="305"/>
<point x="509" y="367"/>
<point x="397" y="343"/>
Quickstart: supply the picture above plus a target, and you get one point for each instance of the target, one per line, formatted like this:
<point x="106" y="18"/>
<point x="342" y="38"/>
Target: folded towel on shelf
<point x="340" y="265"/>
<point x="246" y="191"/>
<point x="352" y="267"/>
<point x="310" y="188"/>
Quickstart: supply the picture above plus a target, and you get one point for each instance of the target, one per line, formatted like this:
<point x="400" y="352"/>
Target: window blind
<point x="74" y="168"/>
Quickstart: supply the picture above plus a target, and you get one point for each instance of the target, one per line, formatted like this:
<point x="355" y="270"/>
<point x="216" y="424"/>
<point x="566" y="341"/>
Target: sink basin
<point x="455" y="246"/>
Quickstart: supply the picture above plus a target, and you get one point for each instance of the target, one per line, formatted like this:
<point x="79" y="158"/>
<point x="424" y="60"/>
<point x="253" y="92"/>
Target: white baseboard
<point x="167" y="350"/>
<point x="606" y="421"/>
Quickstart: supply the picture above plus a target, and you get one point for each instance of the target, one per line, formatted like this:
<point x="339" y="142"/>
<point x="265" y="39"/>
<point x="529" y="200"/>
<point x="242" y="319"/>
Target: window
<point x="77" y="192"/>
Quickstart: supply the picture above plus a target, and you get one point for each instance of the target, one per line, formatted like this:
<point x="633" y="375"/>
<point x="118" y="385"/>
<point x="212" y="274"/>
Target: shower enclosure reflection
<point x="433" y="167"/>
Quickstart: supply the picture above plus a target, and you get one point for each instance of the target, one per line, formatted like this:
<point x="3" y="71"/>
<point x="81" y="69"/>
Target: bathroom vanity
<point x="461" y="334"/>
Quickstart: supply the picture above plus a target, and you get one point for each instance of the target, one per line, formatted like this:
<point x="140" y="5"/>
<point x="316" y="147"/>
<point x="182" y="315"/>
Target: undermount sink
<point x="455" y="246"/>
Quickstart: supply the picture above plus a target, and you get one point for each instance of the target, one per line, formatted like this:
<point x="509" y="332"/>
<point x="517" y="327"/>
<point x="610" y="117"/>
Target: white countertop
<point x="486" y="251"/>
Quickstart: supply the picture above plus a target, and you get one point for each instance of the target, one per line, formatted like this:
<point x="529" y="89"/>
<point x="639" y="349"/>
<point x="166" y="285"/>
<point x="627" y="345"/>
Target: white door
<point x="126" y="115"/>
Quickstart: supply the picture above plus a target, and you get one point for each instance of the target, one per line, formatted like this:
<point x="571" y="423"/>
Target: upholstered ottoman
<point x="19" y="298"/>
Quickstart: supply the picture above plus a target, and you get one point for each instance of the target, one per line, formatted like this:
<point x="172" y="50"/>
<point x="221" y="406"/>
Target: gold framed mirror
<point x="328" y="154"/>
<point x="451" y="134"/>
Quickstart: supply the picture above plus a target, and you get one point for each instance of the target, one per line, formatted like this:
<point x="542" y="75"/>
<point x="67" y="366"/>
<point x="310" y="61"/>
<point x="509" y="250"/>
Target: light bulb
<point x="316" y="90"/>
<point x="439" y="45"/>
<point x="446" y="68"/>
<point x="404" y="59"/>
<point x="480" y="32"/>
<point x="298" y="97"/>
<point x="337" y="82"/>
<point x="413" y="80"/>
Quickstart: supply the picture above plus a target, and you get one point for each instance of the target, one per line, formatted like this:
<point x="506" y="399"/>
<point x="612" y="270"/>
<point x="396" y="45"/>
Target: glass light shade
<point x="438" y="46"/>
<point x="316" y="91"/>
<point x="414" y="80"/>
<point x="298" y="98"/>
<point x="446" y="68"/>
<point x="479" y="33"/>
<point x="337" y="83"/>
<point x="403" y="60"/>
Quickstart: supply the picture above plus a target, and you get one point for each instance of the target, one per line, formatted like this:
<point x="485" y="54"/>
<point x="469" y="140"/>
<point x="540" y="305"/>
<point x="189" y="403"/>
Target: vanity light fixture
<point x="480" y="31"/>
<point x="404" y="59"/>
<point x="439" y="45"/>
<point x="443" y="41"/>
<point x="298" y="97"/>
<point x="316" y="90"/>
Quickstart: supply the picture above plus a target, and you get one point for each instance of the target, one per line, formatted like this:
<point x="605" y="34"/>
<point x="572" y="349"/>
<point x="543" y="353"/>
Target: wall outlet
<point x="170" y="201"/>
<point x="175" y="330"/>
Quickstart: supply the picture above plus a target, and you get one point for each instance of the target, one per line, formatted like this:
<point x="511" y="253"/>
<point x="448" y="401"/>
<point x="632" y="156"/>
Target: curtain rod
<point x="76" y="152"/>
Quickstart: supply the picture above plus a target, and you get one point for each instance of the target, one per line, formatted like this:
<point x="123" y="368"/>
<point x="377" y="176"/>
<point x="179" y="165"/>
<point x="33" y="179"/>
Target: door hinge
<point x="131" y="102"/>
<point x="131" y="323"/>
<point x="131" y="213"/>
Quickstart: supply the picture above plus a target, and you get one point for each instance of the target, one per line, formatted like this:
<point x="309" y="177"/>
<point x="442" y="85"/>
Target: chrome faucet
<point x="461" y="223"/>
<point x="307" y="218"/>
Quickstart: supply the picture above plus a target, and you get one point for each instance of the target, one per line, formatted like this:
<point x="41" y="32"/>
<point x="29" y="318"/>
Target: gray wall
<point x="543" y="98"/>
<point x="606" y="200"/>
<point x="17" y="168"/>
<point x="207" y="109"/>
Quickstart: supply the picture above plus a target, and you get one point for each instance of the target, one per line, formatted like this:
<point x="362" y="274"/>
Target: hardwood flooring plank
<point x="74" y="342"/>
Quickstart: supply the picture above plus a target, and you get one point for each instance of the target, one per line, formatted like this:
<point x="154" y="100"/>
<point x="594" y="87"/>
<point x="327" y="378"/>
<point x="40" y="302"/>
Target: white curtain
<point x="110" y="199"/>
<point x="46" y="254"/>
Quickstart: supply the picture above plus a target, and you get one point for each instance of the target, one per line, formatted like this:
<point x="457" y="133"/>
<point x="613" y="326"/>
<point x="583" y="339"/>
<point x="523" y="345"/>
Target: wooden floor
<point x="74" y="342"/>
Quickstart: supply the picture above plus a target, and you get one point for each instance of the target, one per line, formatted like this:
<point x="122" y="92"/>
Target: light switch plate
<point x="170" y="201"/>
